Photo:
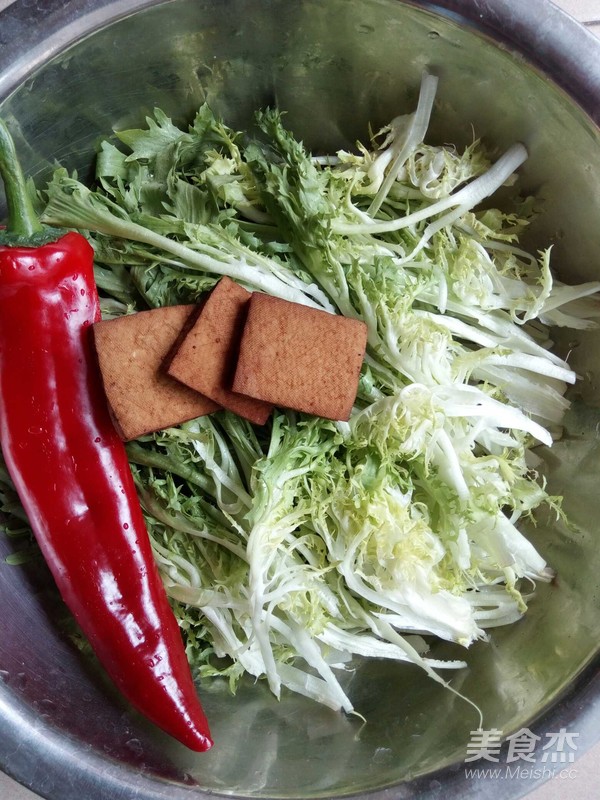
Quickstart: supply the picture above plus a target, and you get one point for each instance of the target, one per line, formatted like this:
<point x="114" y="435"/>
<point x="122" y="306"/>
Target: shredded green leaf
<point x="292" y="549"/>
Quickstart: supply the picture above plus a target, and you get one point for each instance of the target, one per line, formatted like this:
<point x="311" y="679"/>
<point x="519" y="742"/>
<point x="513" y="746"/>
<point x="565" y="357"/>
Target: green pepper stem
<point x="22" y="219"/>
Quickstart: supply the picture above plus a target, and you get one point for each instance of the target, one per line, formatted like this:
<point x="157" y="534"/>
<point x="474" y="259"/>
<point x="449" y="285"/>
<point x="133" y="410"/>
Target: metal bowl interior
<point x="335" y="66"/>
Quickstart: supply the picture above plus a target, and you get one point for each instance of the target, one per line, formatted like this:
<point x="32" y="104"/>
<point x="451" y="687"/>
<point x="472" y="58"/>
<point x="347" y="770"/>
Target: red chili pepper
<point x="71" y="470"/>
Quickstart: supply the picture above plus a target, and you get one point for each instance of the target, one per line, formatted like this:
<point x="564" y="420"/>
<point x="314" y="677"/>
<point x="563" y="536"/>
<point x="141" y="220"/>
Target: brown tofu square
<point x="300" y="358"/>
<point x="205" y="357"/>
<point x="141" y="396"/>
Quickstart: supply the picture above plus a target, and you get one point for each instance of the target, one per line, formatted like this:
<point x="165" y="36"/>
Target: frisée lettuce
<point x="291" y="549"/>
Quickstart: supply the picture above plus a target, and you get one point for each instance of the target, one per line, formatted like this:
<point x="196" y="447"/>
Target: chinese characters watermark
<point x="524" y="754"/>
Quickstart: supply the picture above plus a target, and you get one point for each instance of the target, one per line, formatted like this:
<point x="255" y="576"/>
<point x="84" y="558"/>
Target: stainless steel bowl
<point x="510" y="71"/>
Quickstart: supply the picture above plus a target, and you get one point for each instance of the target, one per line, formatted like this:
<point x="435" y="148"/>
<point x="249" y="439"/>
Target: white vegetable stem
<point x="461" y="202"/>
<point x="402" y="148"/>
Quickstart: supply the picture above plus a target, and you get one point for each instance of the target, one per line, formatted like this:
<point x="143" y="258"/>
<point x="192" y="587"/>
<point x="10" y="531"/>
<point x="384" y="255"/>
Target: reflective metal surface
<point x="506" y="71"/>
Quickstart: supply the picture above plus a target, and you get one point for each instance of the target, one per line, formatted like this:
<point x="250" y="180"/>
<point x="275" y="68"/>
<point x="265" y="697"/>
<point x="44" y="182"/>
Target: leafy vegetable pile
<point x="291" y="548"/>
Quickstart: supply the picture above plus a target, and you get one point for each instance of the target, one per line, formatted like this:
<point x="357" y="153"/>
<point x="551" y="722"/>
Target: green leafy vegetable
<point x="291" y="549"/>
